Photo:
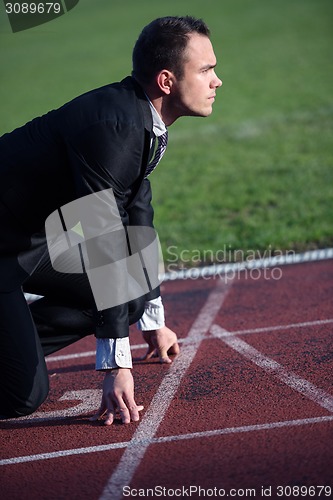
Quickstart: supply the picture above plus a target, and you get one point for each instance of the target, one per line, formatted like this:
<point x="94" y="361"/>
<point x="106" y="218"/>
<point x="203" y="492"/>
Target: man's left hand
<point x="118" y="396"/>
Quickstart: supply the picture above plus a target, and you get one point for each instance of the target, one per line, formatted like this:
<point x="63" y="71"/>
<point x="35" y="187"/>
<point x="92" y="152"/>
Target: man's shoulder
<point x="119" y="100"/>
<point x="119" y="93"/>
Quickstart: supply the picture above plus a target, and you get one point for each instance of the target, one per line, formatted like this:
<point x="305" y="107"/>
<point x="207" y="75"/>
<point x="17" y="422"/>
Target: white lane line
<point x="87" y="400"/>
<point x="63" y="453"/>
<point x="297" y="383"/>
<point x="148" y="426"/>
<point x="89" y="354"/>
<point x="168" y="439"/>
<point x="246" y="428"/>
<point x="277" y="327"/>
<point x="64" y="357"/>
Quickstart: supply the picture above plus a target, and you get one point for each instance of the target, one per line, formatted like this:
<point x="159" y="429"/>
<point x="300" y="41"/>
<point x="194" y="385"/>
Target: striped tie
<point x="162" y="142"/>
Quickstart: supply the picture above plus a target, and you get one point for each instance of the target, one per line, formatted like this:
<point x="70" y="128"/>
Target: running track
<point x="248" y="404"/>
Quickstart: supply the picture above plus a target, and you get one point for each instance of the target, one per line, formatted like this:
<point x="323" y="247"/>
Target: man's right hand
<point x="162" y="342"/>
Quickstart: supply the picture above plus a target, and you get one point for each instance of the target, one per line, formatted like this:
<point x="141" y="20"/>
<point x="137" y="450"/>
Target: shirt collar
<point x="159" y="127"/>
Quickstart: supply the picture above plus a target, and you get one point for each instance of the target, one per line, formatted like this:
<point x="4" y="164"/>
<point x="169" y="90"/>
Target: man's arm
<point x="101" y="158"/>
<point x="107" y="156"/>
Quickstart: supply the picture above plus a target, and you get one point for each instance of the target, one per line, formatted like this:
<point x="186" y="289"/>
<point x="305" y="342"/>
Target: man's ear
<point x="164" y="80"/>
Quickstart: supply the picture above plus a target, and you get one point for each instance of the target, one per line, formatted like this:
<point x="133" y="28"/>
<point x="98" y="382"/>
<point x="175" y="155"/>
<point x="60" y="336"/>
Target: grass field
<point x="258" y="173"/>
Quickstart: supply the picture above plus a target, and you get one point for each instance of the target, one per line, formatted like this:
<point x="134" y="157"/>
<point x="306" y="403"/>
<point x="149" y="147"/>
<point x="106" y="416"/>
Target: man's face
<point x="194" y="94"/>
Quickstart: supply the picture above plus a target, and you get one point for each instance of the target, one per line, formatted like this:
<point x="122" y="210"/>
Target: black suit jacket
<point x="97" y="141"/>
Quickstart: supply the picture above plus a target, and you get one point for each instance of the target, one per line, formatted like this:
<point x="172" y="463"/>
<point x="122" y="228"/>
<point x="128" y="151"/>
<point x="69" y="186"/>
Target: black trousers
<point x="29" y="332"/>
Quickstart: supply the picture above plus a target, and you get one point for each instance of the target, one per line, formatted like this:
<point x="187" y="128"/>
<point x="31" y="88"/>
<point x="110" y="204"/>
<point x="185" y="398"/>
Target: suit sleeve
<point x="141" y="213"/>
<point x="107" y="155"/>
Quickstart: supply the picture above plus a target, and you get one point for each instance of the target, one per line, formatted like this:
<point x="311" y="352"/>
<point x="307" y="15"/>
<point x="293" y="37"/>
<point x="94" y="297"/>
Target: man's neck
<point x="160" y="103"/>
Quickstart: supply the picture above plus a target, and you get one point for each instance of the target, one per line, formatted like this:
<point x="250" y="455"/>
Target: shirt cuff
<point x="113" y="353"/>
<point x="153" y="316"/>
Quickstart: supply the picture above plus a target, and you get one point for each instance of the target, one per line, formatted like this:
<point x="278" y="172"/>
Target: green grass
<point x="258" y="173"/>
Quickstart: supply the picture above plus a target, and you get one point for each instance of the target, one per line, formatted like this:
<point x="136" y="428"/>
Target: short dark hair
<point x="162" y="44"/>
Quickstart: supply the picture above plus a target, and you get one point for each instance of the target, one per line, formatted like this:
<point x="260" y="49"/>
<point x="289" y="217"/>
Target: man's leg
<point x="23" y="374"/>
<point x="65" y="313"/>
<point x="60" y="324"/>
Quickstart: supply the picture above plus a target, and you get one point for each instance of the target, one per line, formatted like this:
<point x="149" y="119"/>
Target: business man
<point x="100" y="142"/>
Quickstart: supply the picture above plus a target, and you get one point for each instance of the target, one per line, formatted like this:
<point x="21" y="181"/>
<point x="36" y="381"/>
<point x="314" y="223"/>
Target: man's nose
<point x="219" y="82"/>
<point x="216" y="82"/>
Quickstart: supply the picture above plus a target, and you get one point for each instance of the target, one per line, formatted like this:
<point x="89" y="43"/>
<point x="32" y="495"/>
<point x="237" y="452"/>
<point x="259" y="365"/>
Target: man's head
<point x="174" y="61"/>
<point x="162" y="45"/>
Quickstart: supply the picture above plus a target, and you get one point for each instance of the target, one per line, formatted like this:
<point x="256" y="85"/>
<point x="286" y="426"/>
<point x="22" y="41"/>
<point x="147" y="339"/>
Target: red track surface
<point x="247" y="404"/>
